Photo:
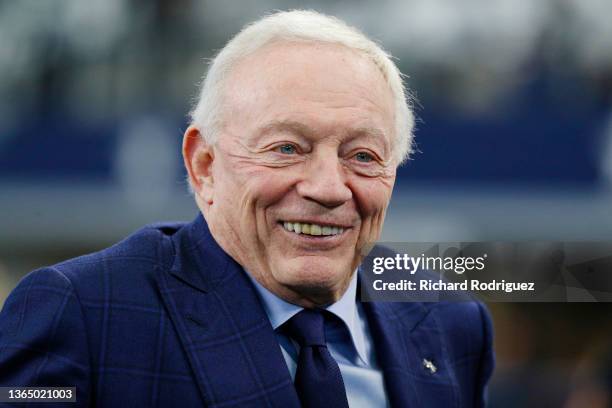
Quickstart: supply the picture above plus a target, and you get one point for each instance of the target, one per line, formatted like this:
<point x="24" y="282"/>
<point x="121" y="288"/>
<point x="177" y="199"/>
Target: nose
<point x="325" y="181"/>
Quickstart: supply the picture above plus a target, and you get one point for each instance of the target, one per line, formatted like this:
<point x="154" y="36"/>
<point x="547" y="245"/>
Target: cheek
<point x="265" y="187"/>
<point x="372" y="196"/>
<point x="253" y="188"/>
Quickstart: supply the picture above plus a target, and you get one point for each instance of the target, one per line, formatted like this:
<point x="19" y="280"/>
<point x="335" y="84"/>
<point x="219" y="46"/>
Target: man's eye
<point x="287" y="149"/>
<point x="364" y="157"/>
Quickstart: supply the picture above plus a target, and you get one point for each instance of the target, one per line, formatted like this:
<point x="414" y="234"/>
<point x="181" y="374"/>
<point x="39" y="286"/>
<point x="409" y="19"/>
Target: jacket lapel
<point x="407" y="335"/>
<point x="224" y="330"/>
<point x="233" y="351"/>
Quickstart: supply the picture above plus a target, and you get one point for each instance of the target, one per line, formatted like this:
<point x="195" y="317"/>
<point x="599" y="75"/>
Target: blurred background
<point x="514" y="142"/>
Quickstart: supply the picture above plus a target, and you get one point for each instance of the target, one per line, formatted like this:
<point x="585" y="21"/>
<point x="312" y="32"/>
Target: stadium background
<point x="514" y="142"/>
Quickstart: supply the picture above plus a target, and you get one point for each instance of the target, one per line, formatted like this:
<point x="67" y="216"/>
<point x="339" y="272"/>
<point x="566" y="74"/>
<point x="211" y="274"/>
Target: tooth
<point x="305" y="228"/>
<point x="315" y="229"/>
<point x="334" y="230"/>
<point x="286" y="225"/>
<point x="326" y="231"/>
<point x="340" y="230"/>
<point x="290" y="226"/>
<point x="297" y="227"/>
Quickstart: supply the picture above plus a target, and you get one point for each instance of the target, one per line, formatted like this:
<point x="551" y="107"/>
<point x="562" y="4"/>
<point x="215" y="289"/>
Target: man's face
<point x="307" y="140"/>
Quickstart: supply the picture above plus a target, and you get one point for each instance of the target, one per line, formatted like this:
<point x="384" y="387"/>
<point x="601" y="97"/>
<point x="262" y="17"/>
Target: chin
<point x="312" y="276"/>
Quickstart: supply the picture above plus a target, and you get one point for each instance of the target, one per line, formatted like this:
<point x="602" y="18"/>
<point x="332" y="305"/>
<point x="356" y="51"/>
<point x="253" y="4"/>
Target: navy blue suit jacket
<point x="167" y="318"/>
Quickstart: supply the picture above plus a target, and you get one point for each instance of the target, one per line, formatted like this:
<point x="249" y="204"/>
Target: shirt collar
<point x="279" y="311"/>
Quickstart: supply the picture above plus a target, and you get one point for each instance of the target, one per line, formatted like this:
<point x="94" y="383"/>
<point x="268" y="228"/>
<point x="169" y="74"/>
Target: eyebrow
<point x="286" y="126"/>
<point x="302" y="129"/>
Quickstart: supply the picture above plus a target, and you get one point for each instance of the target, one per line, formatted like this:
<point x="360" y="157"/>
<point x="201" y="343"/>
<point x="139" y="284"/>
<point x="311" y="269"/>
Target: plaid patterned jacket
<point x="166" y="318"/>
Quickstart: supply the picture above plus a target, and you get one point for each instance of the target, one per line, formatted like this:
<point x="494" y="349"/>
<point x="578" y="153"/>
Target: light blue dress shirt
<point x="348" y="340"/>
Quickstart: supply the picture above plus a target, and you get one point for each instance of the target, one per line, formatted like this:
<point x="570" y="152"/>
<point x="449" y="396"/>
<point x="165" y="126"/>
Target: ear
<point x="198" y="156"/>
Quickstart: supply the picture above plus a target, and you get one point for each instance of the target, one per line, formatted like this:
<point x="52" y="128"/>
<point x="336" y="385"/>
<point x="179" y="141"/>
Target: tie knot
<point x="307" y="328"/>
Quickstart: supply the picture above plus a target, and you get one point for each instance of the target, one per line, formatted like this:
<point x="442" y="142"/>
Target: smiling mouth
<point x="311" y="229"/>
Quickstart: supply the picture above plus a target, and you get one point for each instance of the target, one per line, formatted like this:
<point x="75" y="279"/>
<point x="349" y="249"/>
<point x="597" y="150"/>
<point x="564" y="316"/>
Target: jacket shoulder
<point x="149" y="246"/>
<point x="122" y="272"/>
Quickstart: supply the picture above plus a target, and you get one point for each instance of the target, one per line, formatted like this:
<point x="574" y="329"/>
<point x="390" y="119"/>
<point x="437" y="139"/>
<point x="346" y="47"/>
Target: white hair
<point x="300" y="25"/>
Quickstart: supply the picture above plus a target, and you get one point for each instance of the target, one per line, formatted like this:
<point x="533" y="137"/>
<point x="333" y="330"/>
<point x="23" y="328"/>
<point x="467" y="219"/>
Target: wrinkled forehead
<point x="321" y="83"/>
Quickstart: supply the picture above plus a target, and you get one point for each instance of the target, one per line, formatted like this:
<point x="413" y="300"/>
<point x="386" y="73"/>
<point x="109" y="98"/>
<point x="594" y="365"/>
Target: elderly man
<point x="291" y="155"/>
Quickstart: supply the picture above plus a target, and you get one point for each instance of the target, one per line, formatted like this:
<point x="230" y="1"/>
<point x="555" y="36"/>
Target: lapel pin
<point x="428" y="364"/>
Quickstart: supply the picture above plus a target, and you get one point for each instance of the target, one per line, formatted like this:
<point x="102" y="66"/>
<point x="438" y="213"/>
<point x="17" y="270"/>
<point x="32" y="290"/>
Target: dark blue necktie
<point x="317" y="380"/>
